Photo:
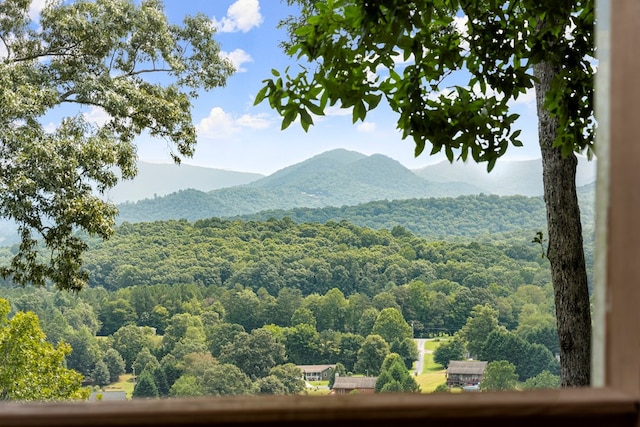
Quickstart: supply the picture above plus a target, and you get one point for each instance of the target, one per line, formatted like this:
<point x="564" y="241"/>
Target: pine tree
<point x="146" y="386"/>
<point x="395" y="377"/>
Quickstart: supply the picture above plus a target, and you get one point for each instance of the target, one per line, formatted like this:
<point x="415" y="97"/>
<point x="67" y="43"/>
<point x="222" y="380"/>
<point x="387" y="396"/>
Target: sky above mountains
<point x="234" y="134"/>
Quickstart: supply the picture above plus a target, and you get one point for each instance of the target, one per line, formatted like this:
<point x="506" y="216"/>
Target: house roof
<point x="354" y="382"/>
<point x="315" y="368"/>
<point x="466" y="367"/>
<point x="109" y="395"/>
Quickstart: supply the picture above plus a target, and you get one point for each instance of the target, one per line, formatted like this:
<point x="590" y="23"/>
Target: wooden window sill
<point x="589" y="407"/>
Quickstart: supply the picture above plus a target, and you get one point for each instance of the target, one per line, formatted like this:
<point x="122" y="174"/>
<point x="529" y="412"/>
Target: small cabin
<point x="465" y="373"/>
<point x="347" y="385"/>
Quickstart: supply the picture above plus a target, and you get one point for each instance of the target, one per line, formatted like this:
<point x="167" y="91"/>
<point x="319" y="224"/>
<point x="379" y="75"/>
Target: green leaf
<point x="373" y="100"/>
<point x="289" y="117"/>
<point x="315" y="109"/>
<point x="359" y="111"/>
<point x="261" y="95"/>
<point x="305" y="119"/>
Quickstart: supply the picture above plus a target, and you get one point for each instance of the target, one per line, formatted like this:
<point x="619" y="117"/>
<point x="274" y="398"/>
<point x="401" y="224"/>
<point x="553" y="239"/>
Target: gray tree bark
<point x="565" y="245"/>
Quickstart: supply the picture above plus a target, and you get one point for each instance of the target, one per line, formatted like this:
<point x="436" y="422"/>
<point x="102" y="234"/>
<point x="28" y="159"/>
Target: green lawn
<point x="125" y="384"/>
<point x="432" y="373"/>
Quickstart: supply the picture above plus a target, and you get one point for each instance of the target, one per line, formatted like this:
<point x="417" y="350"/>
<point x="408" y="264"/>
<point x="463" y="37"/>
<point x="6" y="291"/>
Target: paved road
<point x="421" y="351"/>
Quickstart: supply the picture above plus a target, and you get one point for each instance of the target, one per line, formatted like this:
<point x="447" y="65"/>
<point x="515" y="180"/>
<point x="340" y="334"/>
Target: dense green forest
<point x="257" y="297"/>
<point x="442" y="218"/>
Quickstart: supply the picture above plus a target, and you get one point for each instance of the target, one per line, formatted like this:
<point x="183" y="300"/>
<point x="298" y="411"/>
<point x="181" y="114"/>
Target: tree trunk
<point x="565" y="251"/>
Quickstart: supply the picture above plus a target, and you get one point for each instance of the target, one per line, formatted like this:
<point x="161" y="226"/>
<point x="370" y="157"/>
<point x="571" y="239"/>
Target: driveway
<point x="421" y="352"/>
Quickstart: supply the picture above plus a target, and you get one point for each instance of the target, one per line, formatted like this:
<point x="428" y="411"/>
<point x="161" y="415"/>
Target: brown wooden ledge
<point x="589" y="407"/>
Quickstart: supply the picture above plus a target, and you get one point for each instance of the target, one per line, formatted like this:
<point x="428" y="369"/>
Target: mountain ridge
<point x="334" y="178"/>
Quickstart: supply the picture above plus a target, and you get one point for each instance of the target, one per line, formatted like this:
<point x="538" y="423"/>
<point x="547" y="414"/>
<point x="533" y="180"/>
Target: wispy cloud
<point x="527" y="99"/>
<point x="220" y="124"/>
<point x="336" y="110"/>
<point x="242" y="15"/>
<point x="366" y="127"/>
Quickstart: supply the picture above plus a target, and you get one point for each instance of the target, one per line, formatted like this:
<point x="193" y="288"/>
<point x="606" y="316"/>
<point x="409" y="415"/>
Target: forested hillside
<point x="349" y="285"/>
<point x="344" y="182"/>
<point x="281" y="253"/>
<point x="440" y="218"/>
<point x="192" y="297"/>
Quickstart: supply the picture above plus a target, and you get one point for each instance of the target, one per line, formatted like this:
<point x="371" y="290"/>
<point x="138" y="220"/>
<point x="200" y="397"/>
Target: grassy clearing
<point x="124" y="384"/>
<point x="318" y="390"/>
<point x="429" y="382"/>
<point x="433" y="374"/>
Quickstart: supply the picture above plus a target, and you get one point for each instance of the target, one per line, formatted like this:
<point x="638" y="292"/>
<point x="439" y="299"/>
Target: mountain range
<point x="336" y="178"/>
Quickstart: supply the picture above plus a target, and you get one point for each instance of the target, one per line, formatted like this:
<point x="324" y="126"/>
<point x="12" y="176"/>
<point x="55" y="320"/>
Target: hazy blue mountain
<point x="508" y="177"/>
<point x="8" y="233"/>
<point x="335" y="178"/>
<point x="157" y="179"/>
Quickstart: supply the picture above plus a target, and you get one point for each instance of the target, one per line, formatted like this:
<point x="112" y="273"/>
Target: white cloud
<point x="220" y="124"/>
<point x="460" y="24"/>
<point x="35" y="8"/>
<point x="366" y="127"/>
<point x="50" y="127"/>
<point x="217" y="124"/>
<point x="528" y="98"/>
<point x="96" y="115"/>
<point x="336" y="110"/>
<point x="242" y="15"/>
<point x="259" y="121"/>
<point x="237" y="58"/>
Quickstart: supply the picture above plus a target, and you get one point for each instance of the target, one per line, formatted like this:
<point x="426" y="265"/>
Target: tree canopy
<point x="406" y="52"/>
<point x="30" y="367"/>
<point x="119" y="57"/>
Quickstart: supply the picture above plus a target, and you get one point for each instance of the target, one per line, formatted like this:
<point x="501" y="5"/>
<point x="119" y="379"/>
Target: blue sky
<point x="234" y="134"/>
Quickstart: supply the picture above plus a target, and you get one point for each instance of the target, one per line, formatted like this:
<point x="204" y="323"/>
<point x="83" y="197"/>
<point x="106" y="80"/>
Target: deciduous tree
<point x="361" y="52"/>
<point x="30" y="367"/>
<point x="100" y="374"/>
<point x="255" y="353"/>
<point x="449" y="350"/>
<point x="226" y="380"/>
<point x="391" y="326"/>
<point x="499" y="375"/>
<point x="372" y="353"/>
<point x="481" y="322"/>
<point x="115" y="364"/>
<point x="291" y="377"/>
<point x="394" y="376"/>
<point x="120" y="57"/>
